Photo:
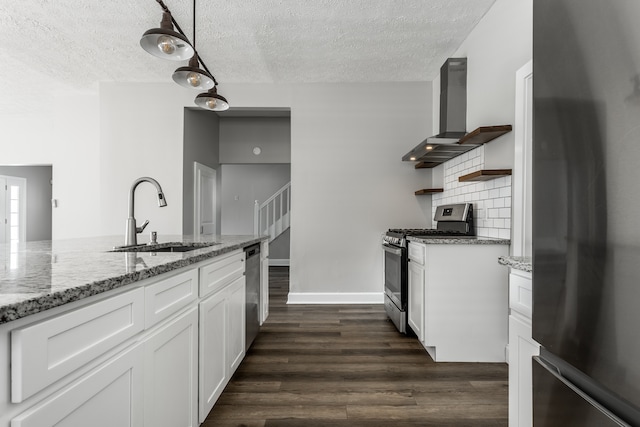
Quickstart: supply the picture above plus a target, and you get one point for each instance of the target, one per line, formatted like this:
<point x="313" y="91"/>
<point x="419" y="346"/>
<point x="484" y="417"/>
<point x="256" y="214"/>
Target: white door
<point x="204" y="208"/>
<point x="13" y="209"/>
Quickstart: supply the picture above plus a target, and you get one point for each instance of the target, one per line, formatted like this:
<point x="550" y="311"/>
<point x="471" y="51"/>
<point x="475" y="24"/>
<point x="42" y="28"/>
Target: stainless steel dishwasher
<point x="252" y="276"/>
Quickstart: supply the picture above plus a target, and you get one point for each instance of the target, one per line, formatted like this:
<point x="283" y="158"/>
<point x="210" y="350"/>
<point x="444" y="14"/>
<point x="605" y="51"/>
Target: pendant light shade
<point x="212" y="101"/>
<point x="193" y="77"/>
<point x="165" y="42"/>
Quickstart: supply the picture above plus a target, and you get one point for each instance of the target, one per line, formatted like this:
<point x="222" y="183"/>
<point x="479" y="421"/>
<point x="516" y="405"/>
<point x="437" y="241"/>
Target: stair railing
<point x="273" y="216"/>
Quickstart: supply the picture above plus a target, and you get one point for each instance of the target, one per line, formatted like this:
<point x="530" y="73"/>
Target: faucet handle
<point x="142" y="227"/>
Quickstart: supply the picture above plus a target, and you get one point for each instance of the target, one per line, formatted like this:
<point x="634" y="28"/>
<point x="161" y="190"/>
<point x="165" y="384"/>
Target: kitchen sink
<point x="165" y="247"/>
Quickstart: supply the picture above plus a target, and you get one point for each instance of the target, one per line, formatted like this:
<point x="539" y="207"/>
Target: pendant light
<point x="192" y="76"/>
<point x="212" y="101"/>
<point x="165" y="42"/>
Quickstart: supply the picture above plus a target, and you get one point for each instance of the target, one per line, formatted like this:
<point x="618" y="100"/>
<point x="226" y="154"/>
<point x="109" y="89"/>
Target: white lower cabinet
<point x="458" y="303"/>
<point x="171" y="373"/>
<point x="157" y="355"/>
<point x="110" y="395"/>
<point x="522" y="348"/>
<point x="222" y="326"/>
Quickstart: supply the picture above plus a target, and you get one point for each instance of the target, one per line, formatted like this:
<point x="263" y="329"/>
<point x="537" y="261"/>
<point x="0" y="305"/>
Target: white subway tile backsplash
<point x="491" y="199"/>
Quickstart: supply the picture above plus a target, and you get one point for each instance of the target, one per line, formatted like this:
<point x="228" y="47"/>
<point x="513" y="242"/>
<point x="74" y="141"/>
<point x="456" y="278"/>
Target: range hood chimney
<point x="453" y="118"/>
<point x="453" y="100"/>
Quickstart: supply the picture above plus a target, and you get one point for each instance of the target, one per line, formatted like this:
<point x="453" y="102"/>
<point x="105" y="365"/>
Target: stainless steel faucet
<point x="131" y="234"/>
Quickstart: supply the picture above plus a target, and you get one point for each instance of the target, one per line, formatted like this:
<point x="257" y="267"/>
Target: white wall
<point x="348" y="181"/>
<point x="67" y="138"/>
<point x="141" y="134"/>
<point x="240" y="135"/>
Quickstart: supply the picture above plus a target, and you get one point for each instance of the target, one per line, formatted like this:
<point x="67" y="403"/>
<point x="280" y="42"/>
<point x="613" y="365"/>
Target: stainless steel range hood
<point x="453" y="118"/>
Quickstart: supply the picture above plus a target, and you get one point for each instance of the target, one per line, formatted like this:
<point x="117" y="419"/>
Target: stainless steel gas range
<point x="452" y="221"/>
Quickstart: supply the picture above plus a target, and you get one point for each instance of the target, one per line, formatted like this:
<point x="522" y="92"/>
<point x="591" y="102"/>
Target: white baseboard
<point x="279" y="262"/>
<point x="336" y="298"/>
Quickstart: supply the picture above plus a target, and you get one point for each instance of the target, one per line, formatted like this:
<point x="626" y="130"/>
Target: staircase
<point x="272" y="217"/>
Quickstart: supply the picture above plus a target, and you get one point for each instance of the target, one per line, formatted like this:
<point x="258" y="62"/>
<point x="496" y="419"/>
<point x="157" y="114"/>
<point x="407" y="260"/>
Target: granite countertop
<point x="517" y="262"/>
<point x="41" y="275"/>
<point x="458" y="241"/>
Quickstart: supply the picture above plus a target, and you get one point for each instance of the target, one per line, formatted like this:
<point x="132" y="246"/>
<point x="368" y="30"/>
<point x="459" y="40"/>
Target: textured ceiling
<point x="49" y="46"/>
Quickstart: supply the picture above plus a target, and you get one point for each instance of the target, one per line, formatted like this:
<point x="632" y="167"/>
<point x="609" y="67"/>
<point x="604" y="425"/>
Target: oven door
<point x="395" y="275"/>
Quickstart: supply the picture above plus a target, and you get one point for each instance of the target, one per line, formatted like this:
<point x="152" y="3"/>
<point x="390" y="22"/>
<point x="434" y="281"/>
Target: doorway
<point x="13" y="209"/>
<point x="204" y="198"/>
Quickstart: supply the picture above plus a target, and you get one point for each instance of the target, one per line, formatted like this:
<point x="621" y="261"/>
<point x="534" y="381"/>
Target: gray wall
<point x="241" y="186"/>
<point x="201" y="144"/>
<point x="239" y="136"/>
<point x="39" y="195"/>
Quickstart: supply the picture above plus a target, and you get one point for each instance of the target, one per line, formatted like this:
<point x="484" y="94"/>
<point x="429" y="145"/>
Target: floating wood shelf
<point x="427" y="165"/>
<point x="429" y="191"/>
<point x="484" y="134"/>
<point x="485" y="175"/>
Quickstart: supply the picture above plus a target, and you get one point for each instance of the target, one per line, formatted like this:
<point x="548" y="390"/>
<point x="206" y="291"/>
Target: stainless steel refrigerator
<point x="586" y="212"/>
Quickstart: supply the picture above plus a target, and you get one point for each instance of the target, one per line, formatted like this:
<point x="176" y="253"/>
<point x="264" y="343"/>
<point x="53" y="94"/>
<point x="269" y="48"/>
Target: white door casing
<point x="521" y="238"/>
<point x="204" y="200"/>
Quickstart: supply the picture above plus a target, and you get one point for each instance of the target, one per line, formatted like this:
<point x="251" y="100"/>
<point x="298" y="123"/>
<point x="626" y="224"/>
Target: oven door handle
<point x="391" y="249"/>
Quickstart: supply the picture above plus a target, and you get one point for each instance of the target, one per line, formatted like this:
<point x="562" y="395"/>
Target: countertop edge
<point x="42" y="302"/>
<point x="517" y="263"/>
<point x="454" y="241"/>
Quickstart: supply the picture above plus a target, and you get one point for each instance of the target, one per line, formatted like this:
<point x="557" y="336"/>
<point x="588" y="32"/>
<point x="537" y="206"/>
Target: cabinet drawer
<point x="45" y="352"/>
<point x="417" y="253"/>
<point x="222" y="271"/>
<point x="521" y="294"/>
<point x="166" y="297"/>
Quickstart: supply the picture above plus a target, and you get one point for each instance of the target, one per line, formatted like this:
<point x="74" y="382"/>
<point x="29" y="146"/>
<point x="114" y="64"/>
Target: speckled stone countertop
<point x="37" y="276"/>
<point x="517" y="262"/>
<point x="454" y="241"/>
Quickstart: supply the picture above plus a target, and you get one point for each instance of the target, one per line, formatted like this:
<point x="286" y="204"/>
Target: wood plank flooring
<point x="346" y="365"/>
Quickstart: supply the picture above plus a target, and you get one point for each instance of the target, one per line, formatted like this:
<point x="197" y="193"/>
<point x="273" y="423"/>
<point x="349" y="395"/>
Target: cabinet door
<point x="171" y="373"/>
<point x="521" y="350"/>
<point x="213" y="351"/>
<point x="236" y="301"/>
<point x="110" y="395"/>
<point x="416" y="299"/>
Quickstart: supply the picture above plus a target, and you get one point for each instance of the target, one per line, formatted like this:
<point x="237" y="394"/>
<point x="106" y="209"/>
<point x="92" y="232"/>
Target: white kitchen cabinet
<point x="222" y="338"/>
<point x="416" y="299"/>
<point x="110" y="395"/>
<point x="171" y="373"/>
<point x="463" y="303"/>
<point x="44" y="352"/>
<point x="264" y="281"/>
<point x="522" y="348"/>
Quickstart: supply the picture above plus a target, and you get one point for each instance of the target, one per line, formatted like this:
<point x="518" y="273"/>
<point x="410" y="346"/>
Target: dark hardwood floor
<point x="346" y="365"/>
